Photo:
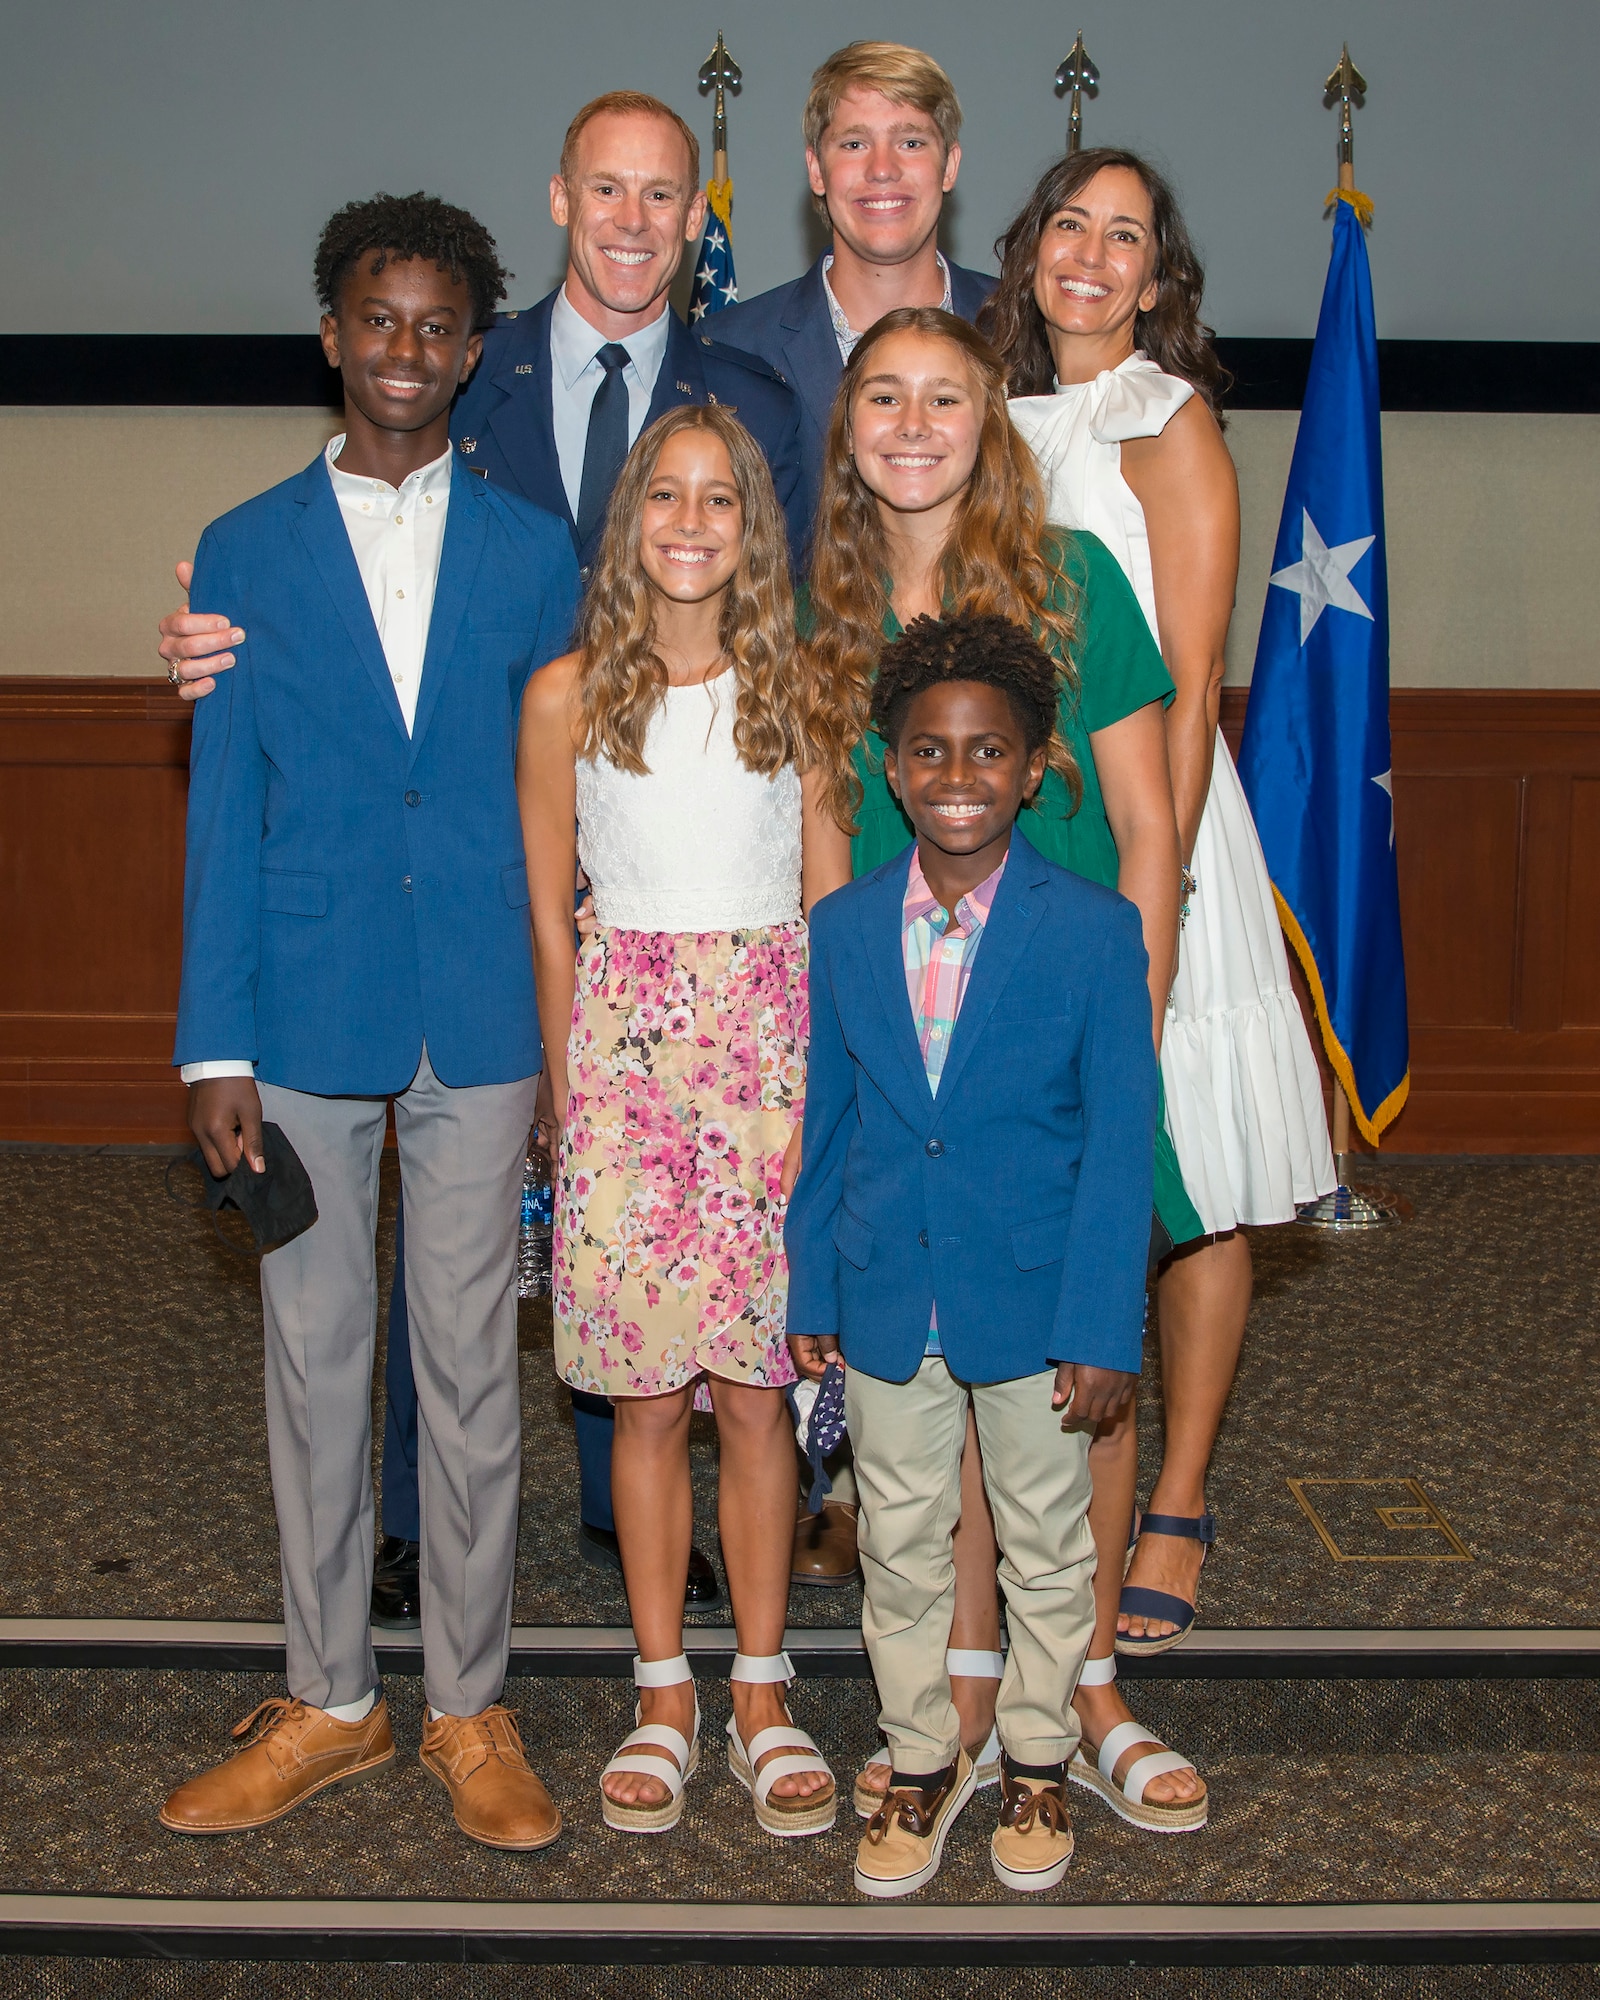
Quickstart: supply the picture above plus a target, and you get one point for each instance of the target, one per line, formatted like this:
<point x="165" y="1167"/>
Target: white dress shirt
<point x="396" y="538"/>
<point x="575" y="378"/>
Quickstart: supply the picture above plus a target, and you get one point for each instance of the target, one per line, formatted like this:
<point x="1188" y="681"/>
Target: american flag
<point x="715" y="286"/>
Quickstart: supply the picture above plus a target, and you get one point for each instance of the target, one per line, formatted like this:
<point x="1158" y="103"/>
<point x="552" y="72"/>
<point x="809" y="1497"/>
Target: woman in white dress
<point x="1115" y="385"/>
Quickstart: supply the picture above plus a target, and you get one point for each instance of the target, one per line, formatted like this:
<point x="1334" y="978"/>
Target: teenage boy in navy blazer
<point x="356" y="933"/>
<point x="971" y="1223"/>
<point x="882" y="152"/>
<point x="545" y="416"/>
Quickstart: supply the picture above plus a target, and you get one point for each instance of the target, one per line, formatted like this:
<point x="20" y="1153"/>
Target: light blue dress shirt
<point x="575" y="377"/>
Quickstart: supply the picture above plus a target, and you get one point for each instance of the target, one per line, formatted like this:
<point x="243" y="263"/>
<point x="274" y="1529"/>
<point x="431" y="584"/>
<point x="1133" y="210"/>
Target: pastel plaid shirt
<point x="939" y="951"/>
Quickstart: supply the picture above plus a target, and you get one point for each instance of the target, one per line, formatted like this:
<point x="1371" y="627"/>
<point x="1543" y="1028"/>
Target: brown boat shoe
<point x="1032" y="1846"/>
<point x="480" y="1761"/>
<point x="288" y="1751"/>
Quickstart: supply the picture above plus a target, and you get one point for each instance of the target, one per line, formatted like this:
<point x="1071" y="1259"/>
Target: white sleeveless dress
<point x="686" y="1065"/>
<point x="1244" y="1099"/>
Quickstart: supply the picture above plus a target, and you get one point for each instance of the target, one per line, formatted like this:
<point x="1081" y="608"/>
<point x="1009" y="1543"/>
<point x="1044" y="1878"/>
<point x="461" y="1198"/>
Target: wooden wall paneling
<point x="1580" y="929"/>
<point x="1497" y="812"/>
<point x="93" y="777"/>
<point x="1458" y="842"/>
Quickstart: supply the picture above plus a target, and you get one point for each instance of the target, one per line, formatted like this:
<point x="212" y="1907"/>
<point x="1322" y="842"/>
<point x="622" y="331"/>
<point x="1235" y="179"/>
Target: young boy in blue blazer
<point x="356" y="934"/>
<point x="971" y="1221"/>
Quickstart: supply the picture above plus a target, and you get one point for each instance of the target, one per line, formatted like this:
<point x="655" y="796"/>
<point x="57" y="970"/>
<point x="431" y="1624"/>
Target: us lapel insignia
<point x="524" y="368"/>
<point x="685" y="389"/>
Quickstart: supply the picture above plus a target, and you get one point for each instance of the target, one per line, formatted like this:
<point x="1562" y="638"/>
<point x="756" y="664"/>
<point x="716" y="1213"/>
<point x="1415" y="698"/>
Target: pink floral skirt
<point x="686" y="1072"/>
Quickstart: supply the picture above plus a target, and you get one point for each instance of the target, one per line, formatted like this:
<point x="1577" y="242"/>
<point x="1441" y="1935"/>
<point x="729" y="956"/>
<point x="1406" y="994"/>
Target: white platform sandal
<point x="789" y="1819"/>
<point x="971" y="1664"/>
<point x="636" y="1756"/>
<point x="1127" y="1800"/>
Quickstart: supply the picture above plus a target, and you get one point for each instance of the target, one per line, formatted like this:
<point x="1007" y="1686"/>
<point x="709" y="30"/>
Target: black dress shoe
<point x="599" y="1546"/>
<point x="702" y="1588"/>
<point x="397" y="1585"/>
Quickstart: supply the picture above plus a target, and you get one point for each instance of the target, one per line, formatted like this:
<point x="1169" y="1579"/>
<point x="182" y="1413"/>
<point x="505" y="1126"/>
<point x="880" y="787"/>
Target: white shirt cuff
<point x="201" y="1071"/>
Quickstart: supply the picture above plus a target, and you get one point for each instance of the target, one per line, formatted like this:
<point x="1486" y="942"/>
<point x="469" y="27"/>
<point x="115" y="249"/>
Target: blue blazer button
<point x="413" y="798"/>
<point x="406" y="885"/>
<point x="934" y="1149"/>
<point x="922" y="1238"/>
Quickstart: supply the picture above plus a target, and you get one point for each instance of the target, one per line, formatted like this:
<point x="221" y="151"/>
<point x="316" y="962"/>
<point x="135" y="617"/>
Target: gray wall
<point x="167" y="163"/>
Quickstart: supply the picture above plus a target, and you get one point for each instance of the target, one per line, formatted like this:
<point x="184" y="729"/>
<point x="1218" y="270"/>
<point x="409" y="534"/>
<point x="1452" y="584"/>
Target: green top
<point x="1119" y="669"/>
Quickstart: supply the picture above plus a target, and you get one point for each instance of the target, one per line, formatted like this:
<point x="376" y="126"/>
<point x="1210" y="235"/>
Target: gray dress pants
<point x="461" y="1154"/>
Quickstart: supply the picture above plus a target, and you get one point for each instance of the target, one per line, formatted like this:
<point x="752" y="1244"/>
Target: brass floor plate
<point x="1378" y="1520"/>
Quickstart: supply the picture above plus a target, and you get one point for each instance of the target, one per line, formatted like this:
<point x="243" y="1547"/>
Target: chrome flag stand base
<point x="1352" y="1208"/>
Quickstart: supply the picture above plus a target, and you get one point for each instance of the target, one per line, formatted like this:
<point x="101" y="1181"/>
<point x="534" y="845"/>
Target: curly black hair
<point x="404" y="226"/>
<point x="979" y="647"/>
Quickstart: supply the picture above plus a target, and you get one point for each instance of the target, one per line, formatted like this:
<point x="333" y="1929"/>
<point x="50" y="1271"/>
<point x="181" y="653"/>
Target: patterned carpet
<point x="77" y="1979"/>
<point x="1459" y="1350"/>
<point x="1322" y="1792"/>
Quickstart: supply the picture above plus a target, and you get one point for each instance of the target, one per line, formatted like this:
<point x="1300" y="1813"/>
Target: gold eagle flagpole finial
<point x="1347" y="88"/>
<point x="1078" y="76"/>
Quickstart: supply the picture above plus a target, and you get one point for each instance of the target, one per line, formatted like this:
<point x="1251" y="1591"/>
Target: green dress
<point x="1119" y="669"/>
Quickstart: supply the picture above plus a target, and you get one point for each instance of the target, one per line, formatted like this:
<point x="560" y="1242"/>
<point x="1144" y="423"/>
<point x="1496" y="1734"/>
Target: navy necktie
<point x="606" y="448"/>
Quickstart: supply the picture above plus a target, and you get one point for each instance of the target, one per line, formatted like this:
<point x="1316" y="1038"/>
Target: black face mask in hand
<point x="278" y="1204"/>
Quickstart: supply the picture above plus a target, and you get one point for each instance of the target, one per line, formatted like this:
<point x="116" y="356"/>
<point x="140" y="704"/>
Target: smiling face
<point x="1096" y="263"/>
<point x="915" y="422"/>
<point x="628" y="207"/>
<point x="691" y="529"/>
<point x="962" y="769"/>
<point x="402" y="338"/>
<point x="883" y="171"/>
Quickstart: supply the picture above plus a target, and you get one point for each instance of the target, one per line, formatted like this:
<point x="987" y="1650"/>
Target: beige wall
<point x="1494" y="534"/>
<point x="96" y="507"/>
<point x="1494" y="545"/>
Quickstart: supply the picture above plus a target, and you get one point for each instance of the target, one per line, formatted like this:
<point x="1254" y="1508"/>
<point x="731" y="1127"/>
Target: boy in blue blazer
<point x="971" y="1222"/>
<point x="356" y="933"/>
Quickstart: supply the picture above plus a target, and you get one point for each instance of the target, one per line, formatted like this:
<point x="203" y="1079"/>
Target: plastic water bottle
<point x="533" y="1242"/>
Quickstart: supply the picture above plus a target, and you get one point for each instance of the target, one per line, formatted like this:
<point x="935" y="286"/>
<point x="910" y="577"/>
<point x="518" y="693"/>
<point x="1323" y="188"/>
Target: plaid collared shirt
<point x="939" y="952"/>
<point x="844" y="332"/>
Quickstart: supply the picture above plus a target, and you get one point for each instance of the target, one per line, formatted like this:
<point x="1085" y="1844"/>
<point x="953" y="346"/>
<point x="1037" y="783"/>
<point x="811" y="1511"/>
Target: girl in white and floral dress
<point x="673" y="739"/>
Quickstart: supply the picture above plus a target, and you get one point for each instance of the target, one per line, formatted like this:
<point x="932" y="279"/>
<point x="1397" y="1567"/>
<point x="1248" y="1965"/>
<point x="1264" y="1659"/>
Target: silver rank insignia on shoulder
<point x="468" y="447"/>
<point x="523" y="368"/>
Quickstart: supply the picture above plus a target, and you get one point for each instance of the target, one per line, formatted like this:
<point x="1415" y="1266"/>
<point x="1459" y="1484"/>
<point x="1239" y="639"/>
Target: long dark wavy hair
<point x="1172" y="333"/>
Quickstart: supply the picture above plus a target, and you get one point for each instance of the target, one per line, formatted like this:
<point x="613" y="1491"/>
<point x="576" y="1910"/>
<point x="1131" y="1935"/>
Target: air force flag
<point x="715" y="286"/>
<point x="1315" y="757"/>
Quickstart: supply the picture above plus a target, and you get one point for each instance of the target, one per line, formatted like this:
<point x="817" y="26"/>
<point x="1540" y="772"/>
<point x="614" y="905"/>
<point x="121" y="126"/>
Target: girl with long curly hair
<point x="1116" y="385"/>
<point x="666" y="753"/>
<point x="931" y="504"/>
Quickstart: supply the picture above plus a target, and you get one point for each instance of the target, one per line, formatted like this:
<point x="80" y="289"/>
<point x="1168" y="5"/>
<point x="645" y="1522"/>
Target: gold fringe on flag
<point x="720" y="196"/>
<point x="1361" y="203"/>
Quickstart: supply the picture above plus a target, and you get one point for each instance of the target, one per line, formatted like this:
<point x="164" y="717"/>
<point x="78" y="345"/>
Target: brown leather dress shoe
<point x="480" y="1761"/>
<point x="288" y="1751"/>
<point x="825" y="1545"/>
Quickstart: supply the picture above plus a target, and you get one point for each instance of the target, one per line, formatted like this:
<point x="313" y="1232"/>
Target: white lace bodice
<point x="1077" y="436"/>
<point x="699" y="843"/>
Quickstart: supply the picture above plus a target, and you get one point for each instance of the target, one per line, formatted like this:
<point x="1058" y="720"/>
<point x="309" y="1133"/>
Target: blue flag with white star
<point x="1315" y="758"/>
<point x="715" y="286"/>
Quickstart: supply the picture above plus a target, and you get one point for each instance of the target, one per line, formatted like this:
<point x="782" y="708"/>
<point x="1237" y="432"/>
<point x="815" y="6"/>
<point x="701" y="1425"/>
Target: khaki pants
<point x="907" y="1438"/>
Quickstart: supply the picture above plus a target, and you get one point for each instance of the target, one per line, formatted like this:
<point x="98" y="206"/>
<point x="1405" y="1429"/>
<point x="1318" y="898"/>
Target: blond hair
<point x="629" y="103"/>
<point x="904" y="76"/>
<point x="1000" y="560"/>
<point x="621" y="682"/>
